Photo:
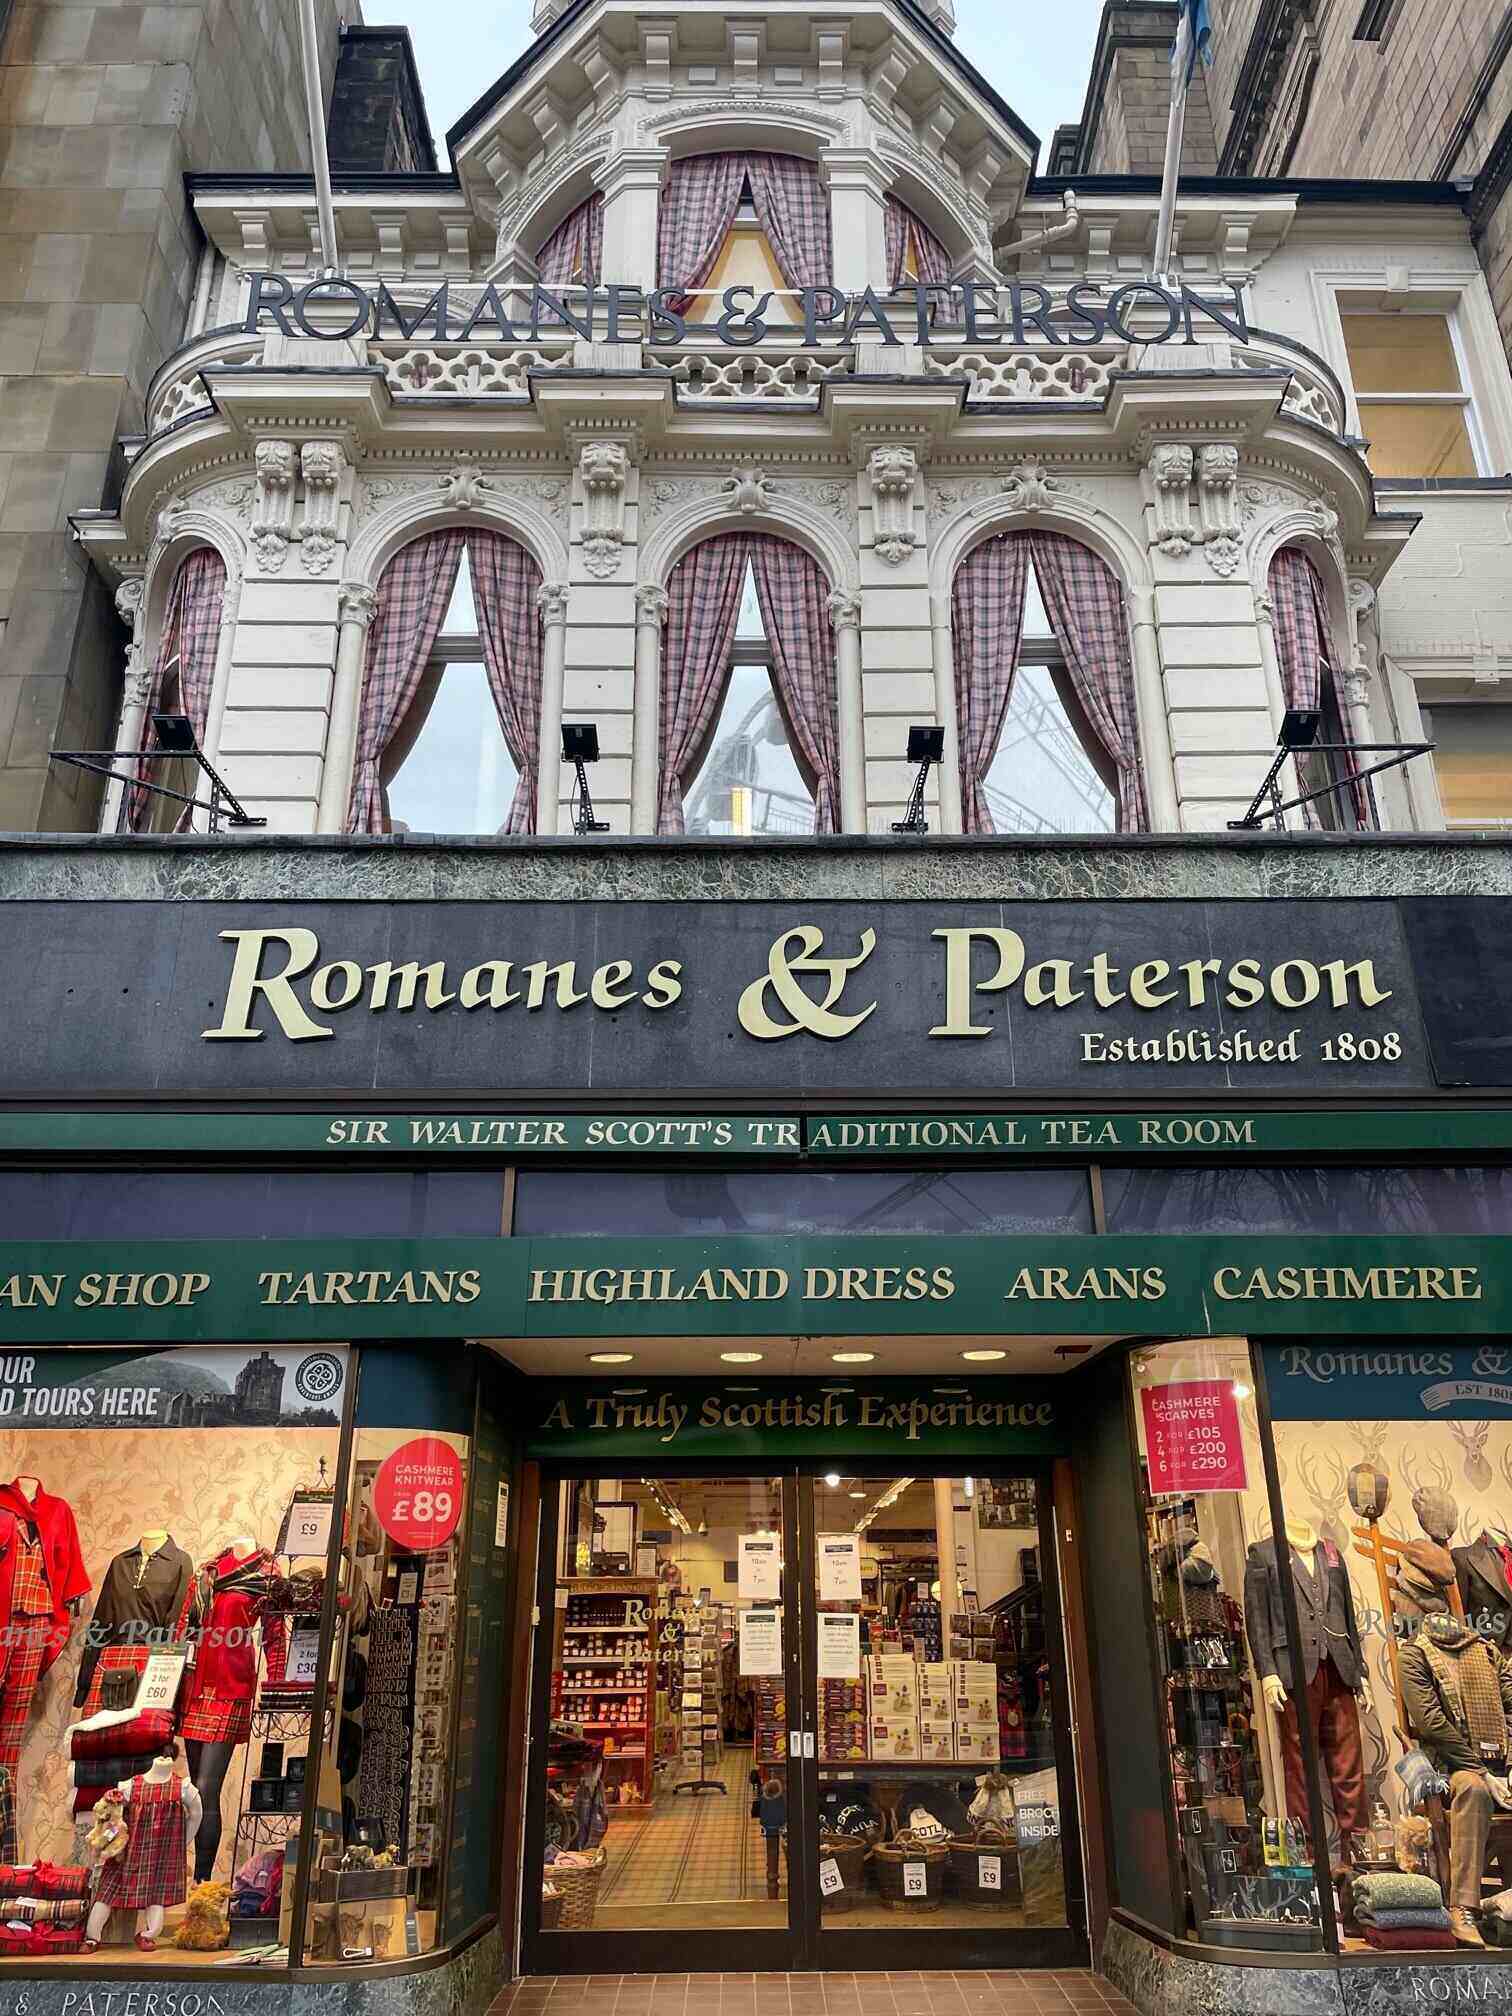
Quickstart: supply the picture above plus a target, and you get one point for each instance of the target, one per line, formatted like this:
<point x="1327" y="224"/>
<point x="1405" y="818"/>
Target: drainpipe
<point x="1052" y="233"/>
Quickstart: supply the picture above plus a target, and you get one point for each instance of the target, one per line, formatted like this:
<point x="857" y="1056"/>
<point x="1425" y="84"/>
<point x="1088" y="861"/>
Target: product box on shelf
<point x="936" y="1694"/>
<point x="977" y="1746"/>
<point x="974" y="1690"/>
<point x="937" y="1742"/>
<point x="892" y="1739"/>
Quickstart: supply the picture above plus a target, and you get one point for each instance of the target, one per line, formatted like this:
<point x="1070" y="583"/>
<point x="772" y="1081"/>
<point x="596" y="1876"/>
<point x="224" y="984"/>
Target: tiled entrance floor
<point x="1029" y="1993"/>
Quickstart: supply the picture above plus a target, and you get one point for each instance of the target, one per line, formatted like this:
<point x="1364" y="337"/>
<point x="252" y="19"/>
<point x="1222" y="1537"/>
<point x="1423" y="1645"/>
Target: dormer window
<point x="730" y="220"/>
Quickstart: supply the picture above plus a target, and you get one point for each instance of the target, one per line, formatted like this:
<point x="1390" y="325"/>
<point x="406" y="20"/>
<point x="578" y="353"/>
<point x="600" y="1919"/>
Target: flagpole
<point x="320" y="160"/>
<point x="1165" y="229"/>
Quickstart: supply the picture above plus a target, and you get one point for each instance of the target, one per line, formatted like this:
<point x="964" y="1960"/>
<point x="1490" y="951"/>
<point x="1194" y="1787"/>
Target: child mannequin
<point x="162" y="1813"/>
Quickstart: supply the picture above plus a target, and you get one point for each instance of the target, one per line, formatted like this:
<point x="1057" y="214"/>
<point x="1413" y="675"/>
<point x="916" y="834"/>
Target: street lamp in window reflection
<point x="580" y="748"/>
<point x="926" y="745"/>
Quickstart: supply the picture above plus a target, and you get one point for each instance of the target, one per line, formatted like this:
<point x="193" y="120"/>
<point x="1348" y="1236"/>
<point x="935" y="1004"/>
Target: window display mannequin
<point x="142" y="1604"/>
<point x="1326" y="1672"/>
<point x="1459" y="1698"/>
<point x="229" y="1597"/>
<point x="162" y="1811"/>
<point x="1483" y="1571"/>
<point x="41" y="1575"/>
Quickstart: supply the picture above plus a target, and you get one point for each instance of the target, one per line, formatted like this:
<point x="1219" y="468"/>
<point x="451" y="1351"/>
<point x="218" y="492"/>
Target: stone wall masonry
<point x="103" y="107"/>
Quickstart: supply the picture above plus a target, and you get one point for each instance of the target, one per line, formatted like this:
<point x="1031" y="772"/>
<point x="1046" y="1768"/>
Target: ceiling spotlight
<point x="983" y="1357"/>
<point x="852" y="1357"/>
<point x="611" y="1357"/>
<point x="1241" y="1391"/>
<point x="741" y="1357"/>
<point x="832" y="1479"/>
<point x="858" y="1494"/>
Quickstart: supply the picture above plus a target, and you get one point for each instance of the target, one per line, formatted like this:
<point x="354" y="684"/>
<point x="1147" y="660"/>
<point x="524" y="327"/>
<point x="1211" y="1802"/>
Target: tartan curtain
<point x="792" y="207"/>
<point x="1085" y="604"/>
<point x="576" y="246"/>
<point x="987" y="626"/>
<point x="191" y="634"/>
<point x="931" y="261"/>
<point x="1299" y="605"/>
<point x="504" y="582"/>
<point x="794" y="596"/>
<point x="703" y="608"/>
<point x="413" y="595"/>
<point x="694" y="216"/>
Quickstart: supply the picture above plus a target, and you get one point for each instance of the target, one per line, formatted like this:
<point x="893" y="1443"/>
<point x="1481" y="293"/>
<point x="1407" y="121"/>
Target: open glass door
<point x="940" y="1800"/>
<point x="666" y="1666"/>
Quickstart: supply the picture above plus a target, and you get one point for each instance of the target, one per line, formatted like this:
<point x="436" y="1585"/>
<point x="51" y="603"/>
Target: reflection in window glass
<point x="936" y="1709"/>
<point x="965" y="1200"/>
<point x="456" y="775"/>
<point x="749" y="781"/>
<point x="1042" y="779"/>
<point x="1231" y="1724"/>
<point x="1413" y="406"/>
<point x="271" y="1204"/>
<point x="1250" y="1198"/>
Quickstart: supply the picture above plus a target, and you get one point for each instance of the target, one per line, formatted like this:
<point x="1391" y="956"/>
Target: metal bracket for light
<point x="1299" y="732"/>
<point x="580" y="746"/>
<point x="926" y="745"/>
<point x="176" y="742"/>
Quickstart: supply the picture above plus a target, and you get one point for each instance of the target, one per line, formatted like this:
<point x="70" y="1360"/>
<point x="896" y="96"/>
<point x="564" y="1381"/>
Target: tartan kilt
<point x="151" y="1868"/>
<point x="210" y="1718"/>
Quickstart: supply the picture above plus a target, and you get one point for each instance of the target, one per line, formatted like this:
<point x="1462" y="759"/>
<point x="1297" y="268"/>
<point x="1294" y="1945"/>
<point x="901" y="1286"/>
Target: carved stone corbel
<point x="748" y="490"/>
<point x="604" y="471"/>
<point x="893" y="474"/>
<point x="272" y="528"/>
<point x="322" y="465"/>
<point x="1169" y="467"/>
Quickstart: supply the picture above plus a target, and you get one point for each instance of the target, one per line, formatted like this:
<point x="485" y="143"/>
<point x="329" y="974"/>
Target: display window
<point x="165" y="1521"/>
<point x="812" y="1709"/>
<point x="1232" y="1697"/>
<point x="1395" y="1460"/>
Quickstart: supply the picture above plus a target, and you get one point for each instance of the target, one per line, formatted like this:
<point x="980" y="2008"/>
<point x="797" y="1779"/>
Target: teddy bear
<point x="108" y="1834"/>
<point x="206" y="1925"/>
<point x="1414" y="1844"/>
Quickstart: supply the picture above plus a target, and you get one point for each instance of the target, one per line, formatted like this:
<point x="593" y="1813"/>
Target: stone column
<point x="1154" y="730"/>
<point x="136" y="692"/>
<point x="358" y="605"/>
<point x="631" y="181"/>
<point x="645" y="727"/>
<point x="551" y="600"/>
<point x="952" y="812"/>
<point x="845" y="615"/>
<point x="857" y="184"/>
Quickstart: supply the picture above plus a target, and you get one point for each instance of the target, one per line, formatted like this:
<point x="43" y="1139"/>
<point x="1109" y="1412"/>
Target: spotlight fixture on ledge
<point x="926" y="745"/>
<point x="1299" y="736"/>
<point x="580" y="748"/>
<point x="174" y="741"/>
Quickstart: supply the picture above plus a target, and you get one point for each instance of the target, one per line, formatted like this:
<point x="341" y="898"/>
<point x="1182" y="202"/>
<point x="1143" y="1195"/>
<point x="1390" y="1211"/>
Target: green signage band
<point x="864" y="1136"/>
<point x="886" y="1286"/>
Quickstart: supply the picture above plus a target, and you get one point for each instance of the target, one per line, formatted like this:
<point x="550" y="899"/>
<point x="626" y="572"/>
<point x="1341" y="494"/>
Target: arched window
<point x="737" y="741"/>
<point x="183" y="673"/>
<point x="1046" y="720"/>
<point x="573" y="255"/>
<point x="728" y="219"/>
<point x="1309" y="682"/>
<point x="448" y="735"/>
<point x="914" y="253"/>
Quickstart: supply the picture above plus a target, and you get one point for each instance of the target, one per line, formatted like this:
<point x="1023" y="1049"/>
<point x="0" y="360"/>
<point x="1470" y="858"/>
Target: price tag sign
<point x="831" y="1882"/>
<point x="1192" y="1436"/>
<point x="915" y="1880"/>
<point x="417" y="1494"/>
<point x="161" y="1676"/>
<point x="989" y="1872"/>
<point x="304" y="1652"/>
<point x="307" y="1530"/>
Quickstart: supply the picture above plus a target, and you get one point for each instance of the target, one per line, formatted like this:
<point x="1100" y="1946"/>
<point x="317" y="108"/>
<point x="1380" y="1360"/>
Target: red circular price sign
<point x="418" y="1494"/>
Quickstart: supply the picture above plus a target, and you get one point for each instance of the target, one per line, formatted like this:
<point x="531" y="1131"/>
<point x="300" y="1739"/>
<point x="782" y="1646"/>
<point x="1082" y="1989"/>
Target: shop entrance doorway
<point x="820" y="1713"/>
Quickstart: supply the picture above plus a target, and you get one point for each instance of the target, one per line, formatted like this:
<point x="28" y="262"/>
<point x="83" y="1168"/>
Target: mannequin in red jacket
<point x="41" y="1575"/>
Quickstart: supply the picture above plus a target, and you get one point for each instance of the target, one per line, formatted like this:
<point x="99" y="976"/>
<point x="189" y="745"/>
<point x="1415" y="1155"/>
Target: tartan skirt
<point x="113" y="1659"/>
<point x="151" y="1868"/>
<point x="210" y="1718"/>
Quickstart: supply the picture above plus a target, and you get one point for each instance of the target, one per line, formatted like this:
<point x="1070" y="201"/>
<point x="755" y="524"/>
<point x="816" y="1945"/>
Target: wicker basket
<point x="964" y="1861"/>
<point x="888" y="1859"/>
<point x="579" y="1888"/>
<point x="848" y="1852"/>
<point x="551" y="1910"/>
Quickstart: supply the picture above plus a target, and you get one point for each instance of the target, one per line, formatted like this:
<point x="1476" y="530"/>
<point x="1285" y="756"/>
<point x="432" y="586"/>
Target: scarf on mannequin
<point x="1465" y="1669"/>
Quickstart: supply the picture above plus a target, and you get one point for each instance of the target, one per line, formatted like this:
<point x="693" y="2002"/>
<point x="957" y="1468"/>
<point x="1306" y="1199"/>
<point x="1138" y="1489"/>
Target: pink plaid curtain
<point x="413" y="595"/>
<point x="793" y="209"/>
<point x="504" y="583"/>
<point x="987" y="626"/>
<point x="794" y="596"/>
<point x="1085" y="604"/>
<point x="576" y="246"/>
<point x="930" y="257"/>
<point x="703" y="608"/>
<point x="1299" y="605"/>
<point x="697" y="209"/>
<point x="191" y="637"/>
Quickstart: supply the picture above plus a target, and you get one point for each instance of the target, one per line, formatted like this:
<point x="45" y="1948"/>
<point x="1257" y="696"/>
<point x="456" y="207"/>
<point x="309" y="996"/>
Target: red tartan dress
<point x="151" y="1868"/>
<point x="226" y="1608"/>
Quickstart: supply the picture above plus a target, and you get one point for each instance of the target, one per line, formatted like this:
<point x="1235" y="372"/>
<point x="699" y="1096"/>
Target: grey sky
<point x="1036" y="53"/>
